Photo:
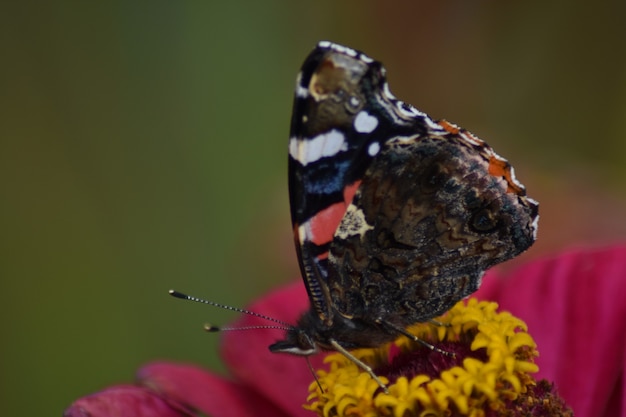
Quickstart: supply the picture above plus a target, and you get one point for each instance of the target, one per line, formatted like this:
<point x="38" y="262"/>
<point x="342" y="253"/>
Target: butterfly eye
<point x="483" y="221"/>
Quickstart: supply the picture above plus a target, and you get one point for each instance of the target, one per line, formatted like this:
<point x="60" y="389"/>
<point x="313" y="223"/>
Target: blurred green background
<point x="143" y="148"/>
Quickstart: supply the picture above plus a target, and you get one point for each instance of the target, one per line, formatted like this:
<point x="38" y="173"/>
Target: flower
<point x="486" y="371"/>
<point x="573" y="306"/>
<point x="127" y="400"/>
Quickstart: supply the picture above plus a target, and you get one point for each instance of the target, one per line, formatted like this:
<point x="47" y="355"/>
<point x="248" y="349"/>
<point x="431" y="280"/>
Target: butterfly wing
<point x="337" y="129"/>
<point x="432" y="214"/>
<point x="395" y="216"/>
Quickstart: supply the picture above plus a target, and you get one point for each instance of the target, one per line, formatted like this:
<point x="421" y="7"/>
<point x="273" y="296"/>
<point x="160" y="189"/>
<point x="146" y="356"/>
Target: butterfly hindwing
<point x="427" y="221"/>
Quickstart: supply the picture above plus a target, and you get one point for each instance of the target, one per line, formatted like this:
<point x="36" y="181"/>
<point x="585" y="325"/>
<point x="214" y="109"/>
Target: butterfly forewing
<point x="336" y="131"/>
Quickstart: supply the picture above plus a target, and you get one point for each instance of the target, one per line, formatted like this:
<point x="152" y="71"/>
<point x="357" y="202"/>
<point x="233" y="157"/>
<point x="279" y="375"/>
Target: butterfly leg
<point x="308" y="362"/>
<point x="417" y="339"/>
<point x="439" y="323"/>
<point x="359" y="363"/>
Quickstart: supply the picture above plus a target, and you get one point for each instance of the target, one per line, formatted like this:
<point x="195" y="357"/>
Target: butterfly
<point x="395" y="216"/>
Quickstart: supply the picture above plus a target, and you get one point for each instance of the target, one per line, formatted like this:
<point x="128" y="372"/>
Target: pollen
<point x="482" y="365"/>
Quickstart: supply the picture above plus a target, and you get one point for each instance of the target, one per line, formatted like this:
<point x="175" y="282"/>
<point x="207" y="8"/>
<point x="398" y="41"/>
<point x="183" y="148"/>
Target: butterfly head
<point x="309" y="336"/>
<point x="297" y="342"/>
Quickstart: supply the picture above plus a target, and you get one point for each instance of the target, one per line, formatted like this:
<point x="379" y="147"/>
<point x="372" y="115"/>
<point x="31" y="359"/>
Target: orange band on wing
<point x="501" y="168"/>
<point x="324" y="224"/>
<point x="449" y="127"/>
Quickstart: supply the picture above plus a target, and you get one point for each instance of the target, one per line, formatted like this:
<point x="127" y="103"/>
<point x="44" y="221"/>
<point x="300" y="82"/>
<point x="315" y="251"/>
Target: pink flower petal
<point x="203" y="391"/>
<point x="282" y="378"/>
<point x="575" y="308"/>
<point x="124" y="401"/>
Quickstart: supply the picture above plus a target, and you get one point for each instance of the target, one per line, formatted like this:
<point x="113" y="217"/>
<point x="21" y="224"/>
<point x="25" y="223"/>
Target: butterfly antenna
<point x="210" y="328"/>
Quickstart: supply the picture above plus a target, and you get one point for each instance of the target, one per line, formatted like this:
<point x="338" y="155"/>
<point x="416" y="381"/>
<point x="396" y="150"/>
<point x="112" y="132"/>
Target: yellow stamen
<point x="494" y="372"/>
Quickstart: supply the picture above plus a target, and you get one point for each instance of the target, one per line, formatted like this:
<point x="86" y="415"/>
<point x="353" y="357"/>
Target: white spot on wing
<point x="353" y="223"/>
<point x="304" y="232"/>
<point x="535" y="224"/>
<point x="293" y="147"/>
<point x="301" y="91"/>
<point x="345" y="50"/>
<point x="469" y="138"/>
<point x="373" y="149"/>
<point x="387" y="92"/>
<point x="405" y="139"/>
<point x="535" y="227"/>
<point x="338" y="48"/>
<point x="307" y="151"/>
<point x="515" y="181"/>
<point x="432" y="125"/>
<point x="405" y="110"/>
<point x="365" y="123"/>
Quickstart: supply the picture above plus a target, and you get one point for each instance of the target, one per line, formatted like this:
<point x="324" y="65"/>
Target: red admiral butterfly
<point x="395" y="216"/>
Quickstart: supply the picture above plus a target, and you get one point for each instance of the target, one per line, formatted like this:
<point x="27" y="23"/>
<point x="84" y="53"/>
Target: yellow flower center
<point x="486" y="371"/>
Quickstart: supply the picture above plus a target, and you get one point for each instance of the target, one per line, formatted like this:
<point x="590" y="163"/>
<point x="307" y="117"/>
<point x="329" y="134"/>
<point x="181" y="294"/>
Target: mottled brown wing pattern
<point x="426" y="222"/>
